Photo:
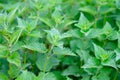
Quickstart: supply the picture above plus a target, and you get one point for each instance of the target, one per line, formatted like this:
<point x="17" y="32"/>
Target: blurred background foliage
<point x="59" y="39"/>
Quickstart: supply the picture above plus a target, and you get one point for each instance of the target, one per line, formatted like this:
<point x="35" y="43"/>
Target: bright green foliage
<point x="45" y="63"/>
<point x="83" y="23"/>
<point x="3" y="77"/>
<point x="46" y="76"/>
<point x="59" y="39"/>
<point x="25" y="75"/>
<point x="14" y="58"/>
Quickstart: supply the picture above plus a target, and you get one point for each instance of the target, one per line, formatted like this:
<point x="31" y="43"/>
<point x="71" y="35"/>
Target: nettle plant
<point x="59" y="39"/>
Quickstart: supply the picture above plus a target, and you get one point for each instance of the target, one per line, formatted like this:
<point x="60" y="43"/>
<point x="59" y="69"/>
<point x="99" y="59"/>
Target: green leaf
<point x="103" y="74"/>
<point x="93" y="33"/>
<point x="3" y="77"/>
<point x="35" y="33"/>
<point x="113" y="35"/>
<point x="47" y="22"/>
<point x="67" y="23"/>
<point x="15" y="36"/>
<point x="110" y="46"/>
<point x="18" y="45"/>
<point x="14" y="71"/>
<point x="92" y="63"/>
<point x="69" y="78"/>
<point x="26" y="75"/>
<point x="53" y="36"/>
<point x="4" y="54"/>
<point x="83" y="23"/>
<point x="21" y="23"/>
<point x="107" y="29"/>
<point x="14" y="58"/>
<point x="91" y="71"/>
<point x="58" y="75"/>
<point x="106" y="9"/>
<point x="71" y="70"/>
<point x="105" y="71"/>
<point x="56" y="15"/>
<point x="84" y="55"/>
<point x="3" y="17"/>
<point x="100" y="53"/>
<point x="101" y="77"/>
<point x="118" y="35"/>
<point x="46" y="76"/>
<point x="118" y="23"/>
<point x="36" y="46"/>
<point x="46" y="63"/>
<point x="85" y="77"/>
<point x="110" y="62"/>
<point x="60" y="39"/>
<point x="11" y="16"/>
<point x="68" y="60"/>
<point x="117" y="51"/>
<point x="31" y="25"/>
<point x="88" y="9"/>
<point x="66" y="35"/>
<point x="2" y="47"/>
<point x="118" y="3"/>
<point x="104" y="56"/>
<point x="63" y="51"/>
<point x="75" y="33"/>
<point x="80" y="44"/>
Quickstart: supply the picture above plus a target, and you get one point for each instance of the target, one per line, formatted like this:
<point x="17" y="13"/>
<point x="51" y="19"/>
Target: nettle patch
<point x="59" y="39"/>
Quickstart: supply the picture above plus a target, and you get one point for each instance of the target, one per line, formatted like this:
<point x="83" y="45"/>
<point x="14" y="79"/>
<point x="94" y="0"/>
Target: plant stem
<point x="115" y="77"/>
<point x="25" y="58"/>
<point x="81" y="63"/>
<point x="104" y="19"/>
<point x="47" y="58"/>
<point x="10" y="67"/>
<point x="46" y="62"/>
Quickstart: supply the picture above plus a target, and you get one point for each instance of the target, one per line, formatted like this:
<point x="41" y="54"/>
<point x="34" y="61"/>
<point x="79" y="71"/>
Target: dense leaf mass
<point x="59" y="39"/>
